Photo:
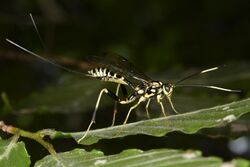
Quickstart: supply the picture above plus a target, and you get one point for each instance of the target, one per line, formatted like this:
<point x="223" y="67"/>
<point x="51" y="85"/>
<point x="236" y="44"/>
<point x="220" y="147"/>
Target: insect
<point x="114" y="68"/>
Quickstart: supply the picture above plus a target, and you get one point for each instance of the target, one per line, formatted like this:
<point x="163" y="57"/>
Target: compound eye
<point x="167" y="87"/>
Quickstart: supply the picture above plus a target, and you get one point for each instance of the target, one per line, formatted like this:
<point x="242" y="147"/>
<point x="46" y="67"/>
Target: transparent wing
<point x="118" y="64"/>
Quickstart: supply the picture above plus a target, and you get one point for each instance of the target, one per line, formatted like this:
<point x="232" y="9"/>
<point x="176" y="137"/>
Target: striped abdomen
<point x="107" y="75"/>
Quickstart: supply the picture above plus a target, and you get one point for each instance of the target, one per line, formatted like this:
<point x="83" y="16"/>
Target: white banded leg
<point x="172" y="105"/>
<point x="161" y="104"/>
<point x="131" y="108"/>
<point x="162" y="108"/>
<point x="115" y="105"/>
<point x="111" y="94"/>
<point x="147" y="105"/>
<point x="159" y="98"/>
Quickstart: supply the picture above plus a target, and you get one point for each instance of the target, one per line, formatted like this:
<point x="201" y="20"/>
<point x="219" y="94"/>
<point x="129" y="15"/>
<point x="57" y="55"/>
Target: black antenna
<point x="211" y="87"/>
<point x="34" y="24"/>
<point x="45" y="59"/>
<point x="41" y="57"/>
<point x="198" y="73"/>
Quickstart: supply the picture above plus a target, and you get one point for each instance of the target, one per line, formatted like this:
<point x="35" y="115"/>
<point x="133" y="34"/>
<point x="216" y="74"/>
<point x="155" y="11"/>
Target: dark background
<point x="166" y="39"/>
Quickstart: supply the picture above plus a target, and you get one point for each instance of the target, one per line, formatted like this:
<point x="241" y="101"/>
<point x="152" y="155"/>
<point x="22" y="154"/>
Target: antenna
<point x="41" y="57"/>
<point x="198" y="73"/>
<point x="45" y="59"/>
<point x="211" y="87"/>
<point x="205" y="86"/>
<point x="34" y="24"/>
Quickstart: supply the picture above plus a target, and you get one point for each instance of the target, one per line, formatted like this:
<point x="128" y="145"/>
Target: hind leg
<point x="108" y="92"/>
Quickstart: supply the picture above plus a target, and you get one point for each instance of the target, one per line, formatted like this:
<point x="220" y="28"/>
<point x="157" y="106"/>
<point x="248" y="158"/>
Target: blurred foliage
<point x="166" y="39"/>
<point x="13" y="154"/>
<point x="132" y="157"/>
<point x="156" y="33"/>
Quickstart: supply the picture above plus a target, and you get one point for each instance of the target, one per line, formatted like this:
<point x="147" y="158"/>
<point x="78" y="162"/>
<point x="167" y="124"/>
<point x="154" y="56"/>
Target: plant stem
<point x="37" y="136"/>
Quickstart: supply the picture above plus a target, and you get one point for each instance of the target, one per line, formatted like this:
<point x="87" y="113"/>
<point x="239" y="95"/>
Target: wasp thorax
<point x="156" y="84"/>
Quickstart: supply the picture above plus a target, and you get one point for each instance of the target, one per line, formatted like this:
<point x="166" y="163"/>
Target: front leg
<point x="171" y="104"/>
<point x="159" y="98"/>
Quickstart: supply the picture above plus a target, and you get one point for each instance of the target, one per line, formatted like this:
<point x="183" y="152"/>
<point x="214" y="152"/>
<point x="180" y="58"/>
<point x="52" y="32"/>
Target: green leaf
<point x="131" y="157"/>
<point x="13" y="153"/>
<point x="239" y="162"/>
<point x="187" y="123"/>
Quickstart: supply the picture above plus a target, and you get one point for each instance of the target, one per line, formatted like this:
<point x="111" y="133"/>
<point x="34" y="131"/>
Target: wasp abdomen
<point x="105" y="74"/>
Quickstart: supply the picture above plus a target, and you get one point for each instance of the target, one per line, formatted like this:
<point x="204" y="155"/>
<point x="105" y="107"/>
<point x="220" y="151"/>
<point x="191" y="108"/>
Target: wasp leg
<point x="162" y="108"/>
<point x="147" y="105"/>
<point x="161" y="104"/>
<point x="125" y="93"/>
<point x="172" y="105"/>
<point x="131" y="108"/>
<point x="115" y="105"/>
<point x="112" y="95"/>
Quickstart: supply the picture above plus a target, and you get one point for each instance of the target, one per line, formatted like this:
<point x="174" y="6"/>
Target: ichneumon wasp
<point x="114" y="68"/>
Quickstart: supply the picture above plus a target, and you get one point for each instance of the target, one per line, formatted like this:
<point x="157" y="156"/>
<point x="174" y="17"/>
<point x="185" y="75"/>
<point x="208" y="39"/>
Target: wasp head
<point x="168" y="89"/>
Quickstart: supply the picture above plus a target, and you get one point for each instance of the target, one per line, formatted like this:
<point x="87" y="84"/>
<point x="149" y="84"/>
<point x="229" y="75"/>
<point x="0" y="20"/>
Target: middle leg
<point x="131" y="108"/>
<point x="125" y="94"/>
<point x="115" y="105"/>
<point x="147" y="105"/>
